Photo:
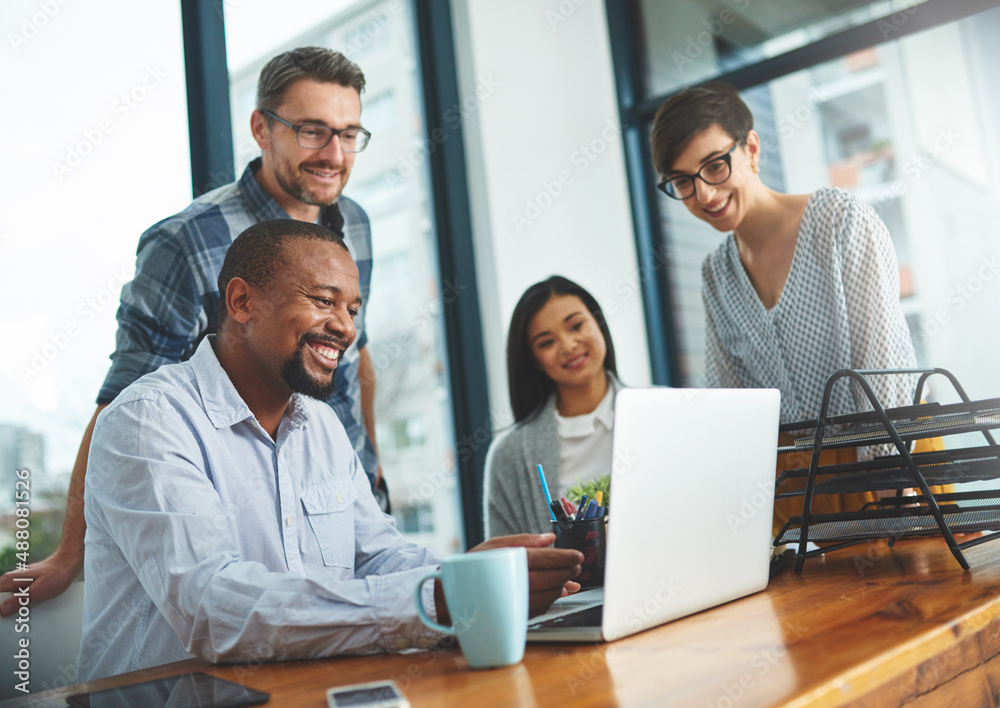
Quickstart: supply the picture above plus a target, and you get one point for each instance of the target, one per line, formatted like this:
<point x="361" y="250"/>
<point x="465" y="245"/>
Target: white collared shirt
<point x="585" y="443"/>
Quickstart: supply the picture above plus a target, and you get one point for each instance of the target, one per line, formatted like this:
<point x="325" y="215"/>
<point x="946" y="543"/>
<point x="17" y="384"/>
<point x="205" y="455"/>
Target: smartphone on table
<point x="193" y="690"/>
<point x="377" y="694"/>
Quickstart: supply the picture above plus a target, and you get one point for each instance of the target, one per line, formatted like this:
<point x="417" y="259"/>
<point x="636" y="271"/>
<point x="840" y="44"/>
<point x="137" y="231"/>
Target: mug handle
<point x="420" y="605"/>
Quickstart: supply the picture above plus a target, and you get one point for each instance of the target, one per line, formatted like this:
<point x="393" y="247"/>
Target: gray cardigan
<point x="514" y="501"/>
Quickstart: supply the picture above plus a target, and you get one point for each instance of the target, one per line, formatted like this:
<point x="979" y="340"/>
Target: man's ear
<point x="259" y="129"/>
<point x="239" y="300"/>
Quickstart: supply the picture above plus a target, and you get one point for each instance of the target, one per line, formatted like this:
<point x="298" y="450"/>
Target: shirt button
<point x="288" y="521"/>
<point x="340" y="499"/>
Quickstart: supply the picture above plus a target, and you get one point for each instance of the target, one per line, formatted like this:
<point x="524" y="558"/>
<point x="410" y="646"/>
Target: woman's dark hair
<point x="529" y="386"/>
<point x="685" y="114"/>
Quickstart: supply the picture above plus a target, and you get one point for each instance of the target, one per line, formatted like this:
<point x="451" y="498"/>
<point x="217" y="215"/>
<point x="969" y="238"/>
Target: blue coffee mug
<point x="487" y="596"/>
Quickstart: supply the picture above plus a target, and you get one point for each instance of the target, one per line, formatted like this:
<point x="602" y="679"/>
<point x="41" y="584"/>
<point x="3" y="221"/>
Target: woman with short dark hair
<point x="804" y="285"/>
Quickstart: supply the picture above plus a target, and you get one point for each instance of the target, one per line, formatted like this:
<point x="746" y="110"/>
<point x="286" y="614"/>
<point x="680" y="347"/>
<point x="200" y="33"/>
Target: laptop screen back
<point x="692" y="496"/>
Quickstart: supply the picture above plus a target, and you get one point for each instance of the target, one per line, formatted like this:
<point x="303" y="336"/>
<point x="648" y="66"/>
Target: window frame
<point x="212" y="164"/>
<point x="637" y="109"/>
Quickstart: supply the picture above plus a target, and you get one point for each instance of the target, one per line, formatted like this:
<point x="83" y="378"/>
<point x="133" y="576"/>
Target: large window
<point x="97" y="151"/>
<point x="389" y="180"/>
<point x="904" y="124"/>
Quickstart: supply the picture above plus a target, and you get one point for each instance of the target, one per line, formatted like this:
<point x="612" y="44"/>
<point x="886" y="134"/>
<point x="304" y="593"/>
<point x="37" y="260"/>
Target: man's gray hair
<point x="316" y="63"/>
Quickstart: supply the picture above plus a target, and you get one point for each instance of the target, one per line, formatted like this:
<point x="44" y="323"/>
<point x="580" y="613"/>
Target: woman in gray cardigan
<point x="562" y="380"/>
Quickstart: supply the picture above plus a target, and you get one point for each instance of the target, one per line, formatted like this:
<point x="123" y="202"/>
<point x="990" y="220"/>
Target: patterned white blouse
<point x="839" y="309"/>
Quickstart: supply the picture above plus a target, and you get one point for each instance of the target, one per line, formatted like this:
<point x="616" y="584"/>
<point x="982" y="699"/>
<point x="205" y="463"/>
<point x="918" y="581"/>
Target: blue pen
<point x="582" y="509"/>
<point x="591" y="510"/>
<point x="545" y="488"/>
<point x="600" y="512"/>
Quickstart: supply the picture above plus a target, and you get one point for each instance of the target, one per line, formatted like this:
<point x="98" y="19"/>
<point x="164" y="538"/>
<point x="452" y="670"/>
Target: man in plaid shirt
<point x="308" y="126"/>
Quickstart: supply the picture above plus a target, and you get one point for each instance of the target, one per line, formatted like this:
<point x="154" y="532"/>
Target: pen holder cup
<point x="590" y="538"/>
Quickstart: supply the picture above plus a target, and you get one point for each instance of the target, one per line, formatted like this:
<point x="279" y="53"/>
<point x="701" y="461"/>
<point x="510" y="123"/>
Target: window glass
<point x="690" y="41"/>
<point x="414" y="428"/>
<point x="97" y="152"/>
<point x="907" y="126"/>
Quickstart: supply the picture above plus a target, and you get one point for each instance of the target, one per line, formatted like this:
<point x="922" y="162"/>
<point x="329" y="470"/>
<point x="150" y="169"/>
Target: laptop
<point x="689" y="521"/>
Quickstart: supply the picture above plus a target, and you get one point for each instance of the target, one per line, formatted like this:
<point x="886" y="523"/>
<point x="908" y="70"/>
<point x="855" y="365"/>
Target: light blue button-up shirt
<point x="206" y="537"/>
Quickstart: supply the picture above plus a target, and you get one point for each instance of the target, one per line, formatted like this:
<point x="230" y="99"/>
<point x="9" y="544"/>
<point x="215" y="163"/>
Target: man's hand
<point x="51" y="578"/>
<point x="550" y="570"/>
<point x="54" y="574"/>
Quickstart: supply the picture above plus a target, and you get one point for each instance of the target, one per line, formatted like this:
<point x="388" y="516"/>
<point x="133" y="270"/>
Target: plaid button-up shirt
<point x="173" y="301"/>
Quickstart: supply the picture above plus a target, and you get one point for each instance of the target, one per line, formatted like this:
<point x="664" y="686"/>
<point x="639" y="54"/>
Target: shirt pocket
<point x="330" y="510"/>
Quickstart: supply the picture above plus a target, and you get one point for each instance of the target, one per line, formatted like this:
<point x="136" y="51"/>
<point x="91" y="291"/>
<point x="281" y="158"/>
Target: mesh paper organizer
<point x="897" y="516"/>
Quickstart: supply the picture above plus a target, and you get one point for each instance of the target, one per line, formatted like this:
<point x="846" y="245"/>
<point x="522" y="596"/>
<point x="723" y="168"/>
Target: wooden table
<point x="863" y="626"/>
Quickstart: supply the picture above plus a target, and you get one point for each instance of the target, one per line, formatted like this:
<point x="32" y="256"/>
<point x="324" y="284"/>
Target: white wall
<point x="546" y="168"/>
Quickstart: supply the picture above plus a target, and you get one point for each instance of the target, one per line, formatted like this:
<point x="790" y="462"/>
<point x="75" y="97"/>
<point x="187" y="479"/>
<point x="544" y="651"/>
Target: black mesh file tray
<point x="910" y="423"/>
<point x="896" y="516"/>
<point x="973" y="464"/>
<point x="899" y="522"/>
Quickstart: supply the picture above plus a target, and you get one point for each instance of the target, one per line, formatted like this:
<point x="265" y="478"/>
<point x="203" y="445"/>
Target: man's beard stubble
<point x="296" y="189"/>
<point x="298" y="379"/>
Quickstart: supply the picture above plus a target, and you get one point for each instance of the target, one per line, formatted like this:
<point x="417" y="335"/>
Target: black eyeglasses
<point x="714" y="172"/>
<point x="316" y="137"/>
